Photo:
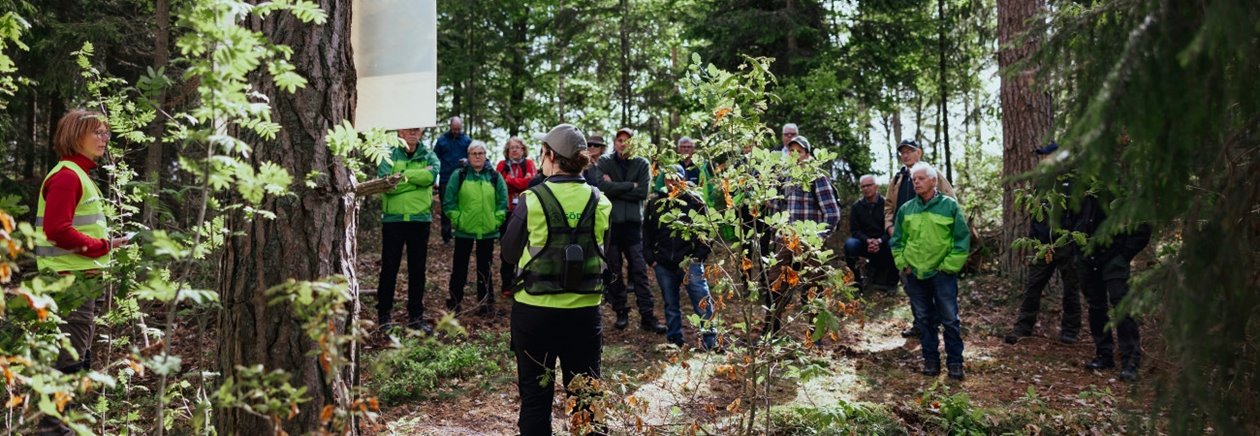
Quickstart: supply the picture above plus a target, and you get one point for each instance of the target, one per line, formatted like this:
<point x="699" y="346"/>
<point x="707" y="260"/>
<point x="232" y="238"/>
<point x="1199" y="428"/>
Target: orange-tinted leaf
<point x="14" y="401"/>
<point x="135" y="366"/>
<point x="721" y="113"/>
<point x="325" y="415"/>
<point x="746" y="264"/>
<point x="14" y="250"/>
<point x="5" y="272"/>
<point x="8" y="376"/>
<point x="61" y="398"/>
<point x="6" y="221"/>
<point x="733" y="407"/>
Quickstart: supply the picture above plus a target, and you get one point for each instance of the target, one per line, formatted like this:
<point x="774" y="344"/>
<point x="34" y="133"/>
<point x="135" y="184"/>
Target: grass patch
<point x="423" y="368"/>
<point x="841" y="418"/>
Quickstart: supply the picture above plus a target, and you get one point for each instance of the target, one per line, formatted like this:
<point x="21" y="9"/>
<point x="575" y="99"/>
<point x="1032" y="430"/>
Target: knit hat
<point x="565" y="140"/>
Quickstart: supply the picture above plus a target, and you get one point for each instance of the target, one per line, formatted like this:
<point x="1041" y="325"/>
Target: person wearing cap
<point x="1041" y="270"/>
<point x="817" y="204"/>
<point x="517" y="171"/>
<point x="625" y="180"/>
<point x="595" y="147"/>
<point x="559" y="282"/>
<point x="668" y="250"/>
<point x="476" y="203"/>
<point x="452" y="149"/>
<point x="868" y="239"/>
<point x="406" y="214"/>
<point x="901" y="191"/>
<point x="930" y="245"/>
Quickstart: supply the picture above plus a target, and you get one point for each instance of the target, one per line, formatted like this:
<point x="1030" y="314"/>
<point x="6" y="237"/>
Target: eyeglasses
<point x="102" y="133"/>
<point x="790" y="134"/>
<point x="868" y="185"/>
<point x="477" y="153"/>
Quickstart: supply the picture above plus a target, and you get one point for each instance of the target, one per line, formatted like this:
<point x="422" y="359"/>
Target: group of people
<point x="576" y="223"/>
<point x="1101" y="273"/>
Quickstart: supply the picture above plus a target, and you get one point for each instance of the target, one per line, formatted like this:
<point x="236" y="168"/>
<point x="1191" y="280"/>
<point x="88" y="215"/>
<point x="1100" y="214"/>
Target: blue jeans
<point x="697" y="290"/>
<point x="934" y="302"/>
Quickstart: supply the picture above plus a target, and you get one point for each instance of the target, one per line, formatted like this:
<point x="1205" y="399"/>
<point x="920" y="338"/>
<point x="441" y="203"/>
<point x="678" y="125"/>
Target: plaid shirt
<point x="818" y="205"/>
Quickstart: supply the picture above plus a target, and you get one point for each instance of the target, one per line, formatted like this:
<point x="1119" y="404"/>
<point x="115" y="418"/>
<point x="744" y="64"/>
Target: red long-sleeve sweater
<point x="517" y="178"/>
<point x="62" y="192"/>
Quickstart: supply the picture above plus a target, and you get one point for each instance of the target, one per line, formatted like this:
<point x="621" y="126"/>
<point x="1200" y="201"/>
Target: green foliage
<point x="1161" y="109"/>
<point x="844" y="417"/>
<point x="422" y="368"/>
<point x="12" y="26"/>
<point x="956" y="414"/>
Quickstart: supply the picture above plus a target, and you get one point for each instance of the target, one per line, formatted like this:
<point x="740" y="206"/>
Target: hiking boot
<point x="678" y="341"/>
<point x="1129" y="373"/>
<point x="1101" y="363"/>
<point x="49" y="426"/>
<point x="956" y="371"/>
<point x="912" y="332"/>
<point x="652" y="325"/>
<point x="419" y="324"/>
<point x="383" y="323"/>
<point x="1014" y="337"/>
<point x="1067" y="338"/>
<point x="623" y="320"/>
<point x="931" y="369"/>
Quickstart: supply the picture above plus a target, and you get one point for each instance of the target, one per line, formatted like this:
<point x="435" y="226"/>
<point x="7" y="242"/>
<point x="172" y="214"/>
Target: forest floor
<point x="869" y="383"/>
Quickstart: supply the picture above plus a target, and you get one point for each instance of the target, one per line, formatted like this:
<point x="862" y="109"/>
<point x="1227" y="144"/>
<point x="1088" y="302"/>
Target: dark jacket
<point x="1113" y="258"/>
<point x="866" y="219"/>
<point x="627" y="197"/>
<point x="662" y="243"/>
<point x="593" y="175"/>
<point x="450" y="149"/>
<point x="1041" y="230"/>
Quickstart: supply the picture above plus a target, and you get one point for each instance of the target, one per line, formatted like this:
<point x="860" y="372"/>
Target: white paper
<point x="395" y="55"/>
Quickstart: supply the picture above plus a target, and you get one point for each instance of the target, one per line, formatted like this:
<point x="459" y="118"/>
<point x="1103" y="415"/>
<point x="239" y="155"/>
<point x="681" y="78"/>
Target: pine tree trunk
<point x="313" y="234"/>
<point x="1025" y="120"/>
<point x="153" y="156"/>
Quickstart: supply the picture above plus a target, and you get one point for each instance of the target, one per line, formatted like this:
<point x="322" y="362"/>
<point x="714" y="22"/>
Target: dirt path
<point x="869" y="365"/>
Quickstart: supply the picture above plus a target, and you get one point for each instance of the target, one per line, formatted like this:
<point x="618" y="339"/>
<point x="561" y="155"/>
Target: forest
<point x="242" y="283"/>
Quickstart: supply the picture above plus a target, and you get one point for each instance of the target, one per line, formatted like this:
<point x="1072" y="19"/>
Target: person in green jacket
<point x="405" y="217"/>
<point x="930" y="243"/>
<point x="476" y="204"/>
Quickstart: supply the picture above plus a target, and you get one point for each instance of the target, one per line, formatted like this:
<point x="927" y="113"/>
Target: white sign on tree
<point x="395" y="55"/>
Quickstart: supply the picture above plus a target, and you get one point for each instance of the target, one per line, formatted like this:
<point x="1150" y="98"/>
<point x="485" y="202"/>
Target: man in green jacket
<point x="405" y="217"/>
<point x="930" y="243"/>
<point x="475" y="203"/>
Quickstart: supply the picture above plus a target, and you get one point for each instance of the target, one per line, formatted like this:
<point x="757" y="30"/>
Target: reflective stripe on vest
<point x="89" y="219"/>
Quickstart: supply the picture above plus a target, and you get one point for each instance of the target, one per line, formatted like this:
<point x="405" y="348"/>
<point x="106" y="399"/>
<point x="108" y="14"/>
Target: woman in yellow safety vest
<point x="555" y="237"/>
<point x="71" y="214"/>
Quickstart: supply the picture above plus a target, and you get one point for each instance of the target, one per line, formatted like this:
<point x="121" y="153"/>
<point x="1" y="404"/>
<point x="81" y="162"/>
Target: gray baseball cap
<point x="566" y="140"/>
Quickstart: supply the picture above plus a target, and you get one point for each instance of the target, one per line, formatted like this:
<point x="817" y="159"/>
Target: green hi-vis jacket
<point x="89" y="219"/>
<point x="412" y="199"/>
<point x="476" y="202"/>
<point x="930" y="236"/>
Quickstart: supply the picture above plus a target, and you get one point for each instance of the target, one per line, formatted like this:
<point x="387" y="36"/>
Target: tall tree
<point x="313" y="231"/>
<point x="1026" y="117"/>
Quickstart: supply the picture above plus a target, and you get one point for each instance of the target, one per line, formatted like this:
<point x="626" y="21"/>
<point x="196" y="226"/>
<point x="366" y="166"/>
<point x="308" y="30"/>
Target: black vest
<point x="570" y="261"/>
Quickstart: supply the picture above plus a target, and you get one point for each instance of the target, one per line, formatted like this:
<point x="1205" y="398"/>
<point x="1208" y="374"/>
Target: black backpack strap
<point x="552" y="210"/>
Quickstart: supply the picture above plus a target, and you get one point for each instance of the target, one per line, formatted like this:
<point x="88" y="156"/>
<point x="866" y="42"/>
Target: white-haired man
<point x="930" y="243"/>
<point x="452" y="149"/>
<point x="790" y="132"/>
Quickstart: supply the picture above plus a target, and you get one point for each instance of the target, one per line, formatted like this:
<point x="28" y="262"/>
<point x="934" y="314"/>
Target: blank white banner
<point x="395" y="53"/>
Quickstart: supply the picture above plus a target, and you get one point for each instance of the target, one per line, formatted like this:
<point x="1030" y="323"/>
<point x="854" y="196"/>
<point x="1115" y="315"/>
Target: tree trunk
<point x="944" y="110"/>
<point x="624" y="89"/>
<point x="153" y="157"/>
<point x="1025" y="120"/>
<point x="520" y="75"/>
<point x="313" y="232"/>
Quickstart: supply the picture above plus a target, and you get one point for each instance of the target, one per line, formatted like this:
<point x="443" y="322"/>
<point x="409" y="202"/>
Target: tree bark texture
<point x="313" y="234"/>
<point x="153" y="156"/>
<point x="1025" y="119"/>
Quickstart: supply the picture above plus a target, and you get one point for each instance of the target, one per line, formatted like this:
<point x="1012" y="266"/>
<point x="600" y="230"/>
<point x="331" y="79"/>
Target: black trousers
<point x="394" y="237"/>
<point x="1104" y="287"/>
<point x="540" y="335"/>
<point x="1039" y="274"/>
<point x="459" y="271"/>
<point x="626" y="240"/>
